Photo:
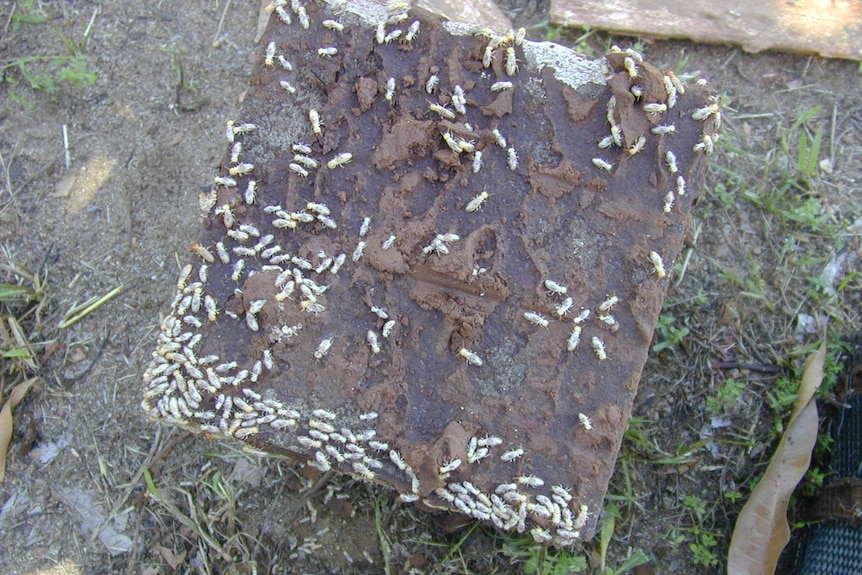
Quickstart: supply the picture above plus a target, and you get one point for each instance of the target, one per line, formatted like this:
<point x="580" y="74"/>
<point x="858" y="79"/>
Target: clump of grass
<point x="23" y="302"/>
<point x="541" y="559"/>
<point x="46" y="73"/>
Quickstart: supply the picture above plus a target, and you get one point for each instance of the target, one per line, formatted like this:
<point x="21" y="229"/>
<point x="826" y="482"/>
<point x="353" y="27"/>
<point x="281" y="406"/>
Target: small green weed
<point x="542" y="560"/>
<point x="725" y="398"/>
<point x="668" y="334"/>
<point x="635" y="557"/>
<point x="47" y="73"/>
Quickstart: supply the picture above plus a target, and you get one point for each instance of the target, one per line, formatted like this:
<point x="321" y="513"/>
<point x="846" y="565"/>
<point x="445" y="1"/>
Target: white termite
<point x="244" y="128"/>
<point x="284" y="63"/>
<point x="395" y="457"/>
<point x="608" y="303"/>
<point x="432" y="83"/>
<point x="339" y="160"/>
<point x="466" y="146"/>
<point x="670" y="89"/>
<point x="306" y="161"/>
<point x="316" y="124"/>
<point x="235" y="152"/>
<point x="459" y="101"/>
<point x="380" y="36"/>
<point x="477" y="161"/>
<point x="241" y="169"/>
<point x="324" y="414"/>
<point x="680" y="186"/>
<point x="500" y="86"/>
<point x="379" y="312"/>
<point x="617" y="135"/>
<point x="373" y="343"/>
<point x="564" y="307"/>
<point x="388" y="243"/>
<point x="600" y="163"/>
<point x="298" y="169"/>
<point x="529" y="480"/>
<point x="365" y="227"/>
<point x="662" y="129"/>
<point x="488" y="56"/>
<point x="574" y="338"/>
<point x="655" y="108"/>
<point x="387" y="328"/>
<point x="303" y="217"/>
<point x="702" y="114"/>
<point x="630" y="66"/>
<point x="556" y="287"/>
<point x="680" y="87"/>
<point x="339" y="261"/>
<point x="250" y="192"/>
<point x="268" y="361"/>
<point x="450" y="467"/>
<point x="392" y="36"/>
<point x="452" y="142"/>
<point x="323" y="348"/>
<point x="298" y="148"/>
<point x="670" y="159"/>
<point x="668" y="201"/>
<point x="441" y="110"/>
<point x="470" y="357"/>
<point x="412" y="31"/>
<point x="327" y="51"/>
<point x="511" y="61"/>
<point x="637" y="91"/>
<point x="599" y="348"/>
<point x="357" y="253"/>
<point x="283" y="15"/>
<point x="270" y="54"/>
<point x="637" y="146"/>
<point x="657" y="264"/>
<point x="318" y="208"/>
<point x="211" y="307"/>
<point x="512" y="159"/>
<point x="477" y="201"/>
<point x="390" y="89"/>
<point x="706" y="145"/>
<point x="499" y="138"/>
<point x="535" y="318"/>
<point x="333" y="25"/>
<point x="585" y="421"/>
<point x="223" y="181"/>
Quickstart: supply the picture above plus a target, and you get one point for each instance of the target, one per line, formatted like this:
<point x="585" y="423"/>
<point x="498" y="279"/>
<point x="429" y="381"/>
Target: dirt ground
<point x="144" y="141"/>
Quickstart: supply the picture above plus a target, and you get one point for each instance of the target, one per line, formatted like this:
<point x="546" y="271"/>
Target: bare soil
<point x="145" y="140"/>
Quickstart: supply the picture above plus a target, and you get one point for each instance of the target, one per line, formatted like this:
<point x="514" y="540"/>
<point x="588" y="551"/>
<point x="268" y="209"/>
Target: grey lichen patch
<point x="569" y="68"/>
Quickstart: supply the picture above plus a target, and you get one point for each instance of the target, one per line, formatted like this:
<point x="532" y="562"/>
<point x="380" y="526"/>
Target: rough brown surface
<point x="555" y="215"/>
<point x="830" y="29"/>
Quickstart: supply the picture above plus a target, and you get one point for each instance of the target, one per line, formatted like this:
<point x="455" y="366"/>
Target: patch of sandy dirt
<point x="140" y="157"/>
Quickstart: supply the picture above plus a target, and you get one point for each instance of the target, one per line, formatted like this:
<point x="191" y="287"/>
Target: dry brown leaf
<point x="18" y="393"/>
<point x="761" y="530"/>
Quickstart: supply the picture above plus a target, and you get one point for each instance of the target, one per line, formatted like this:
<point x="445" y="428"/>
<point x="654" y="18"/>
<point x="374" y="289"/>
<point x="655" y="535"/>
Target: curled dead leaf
<point x="18" y="393"/>
<point x="762" y="530"/>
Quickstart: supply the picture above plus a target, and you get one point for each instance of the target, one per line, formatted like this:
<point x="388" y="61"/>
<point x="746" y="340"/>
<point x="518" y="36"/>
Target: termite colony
<point x="282" y="302"/>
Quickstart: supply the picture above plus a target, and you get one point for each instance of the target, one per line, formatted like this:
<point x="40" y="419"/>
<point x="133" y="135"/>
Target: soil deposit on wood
<point x="434" y="259"/>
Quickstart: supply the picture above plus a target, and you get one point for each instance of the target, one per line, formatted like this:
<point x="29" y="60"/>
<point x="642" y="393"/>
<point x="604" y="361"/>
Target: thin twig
<point x="216" y="41"/>
<point x="67" y="152"/>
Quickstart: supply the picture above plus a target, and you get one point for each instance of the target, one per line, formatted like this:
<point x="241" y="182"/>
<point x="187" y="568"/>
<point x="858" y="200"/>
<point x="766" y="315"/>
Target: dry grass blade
<point x="81" y="311"/>
<point x="18" y="393"/>
<point x="761" y="530"/>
